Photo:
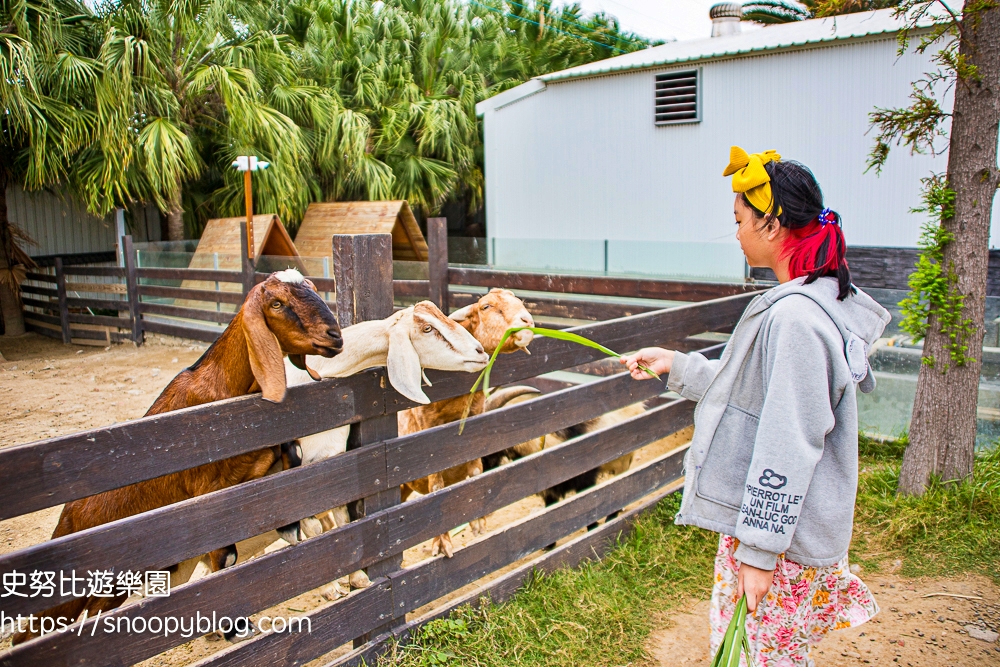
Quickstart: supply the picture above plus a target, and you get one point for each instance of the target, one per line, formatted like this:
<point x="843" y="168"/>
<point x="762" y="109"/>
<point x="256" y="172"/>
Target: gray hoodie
<point x="774" y="459"/>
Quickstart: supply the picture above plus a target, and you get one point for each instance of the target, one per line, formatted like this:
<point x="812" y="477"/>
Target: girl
<point x="773" y="466"/>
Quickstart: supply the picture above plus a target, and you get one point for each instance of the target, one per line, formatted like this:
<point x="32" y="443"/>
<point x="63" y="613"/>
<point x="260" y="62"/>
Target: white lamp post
<point x="247" y="164"/>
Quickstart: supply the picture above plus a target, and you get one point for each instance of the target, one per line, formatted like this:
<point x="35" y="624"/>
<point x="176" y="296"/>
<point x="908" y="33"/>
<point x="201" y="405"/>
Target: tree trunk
<point x="943" y="426"/>
<point x="10" y="304"/>
<point x="175" y="218"/>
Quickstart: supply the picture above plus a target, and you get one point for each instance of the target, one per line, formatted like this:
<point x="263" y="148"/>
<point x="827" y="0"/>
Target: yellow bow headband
<point x="750" y="177"/>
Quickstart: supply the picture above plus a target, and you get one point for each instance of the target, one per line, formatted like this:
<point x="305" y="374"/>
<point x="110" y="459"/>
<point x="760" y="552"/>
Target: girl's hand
<point x="655" y="358"/>
<point x="755" y="583"/>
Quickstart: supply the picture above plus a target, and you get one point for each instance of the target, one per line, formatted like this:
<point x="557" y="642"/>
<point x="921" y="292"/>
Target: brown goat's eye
<point x="485" y="306"/>
<point x="428" y="328"/>
<point x="276" y="305"/>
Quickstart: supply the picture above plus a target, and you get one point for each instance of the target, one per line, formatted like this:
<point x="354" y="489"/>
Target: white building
<point x="583" y="174"/>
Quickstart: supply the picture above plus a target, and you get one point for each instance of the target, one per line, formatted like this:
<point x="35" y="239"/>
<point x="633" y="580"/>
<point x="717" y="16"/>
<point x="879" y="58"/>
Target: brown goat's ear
<point x="299" y="361"/>
<point x="265" y="353"/>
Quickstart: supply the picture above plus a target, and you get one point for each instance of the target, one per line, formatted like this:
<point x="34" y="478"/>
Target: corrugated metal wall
<point x="61" y="225"/>
<point x="583" y="159"/>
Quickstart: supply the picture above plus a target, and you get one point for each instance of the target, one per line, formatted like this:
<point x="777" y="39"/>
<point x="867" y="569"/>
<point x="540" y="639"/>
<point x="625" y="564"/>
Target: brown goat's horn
<point x="501" y="397"/>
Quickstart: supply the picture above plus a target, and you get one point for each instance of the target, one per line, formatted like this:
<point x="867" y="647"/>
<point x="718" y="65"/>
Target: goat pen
<point x="42" y="474"/>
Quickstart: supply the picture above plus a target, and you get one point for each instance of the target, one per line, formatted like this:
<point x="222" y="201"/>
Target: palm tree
<point x="195" y="83"/>
<point x="45" y="119"/>
<point x="397" y="83"/>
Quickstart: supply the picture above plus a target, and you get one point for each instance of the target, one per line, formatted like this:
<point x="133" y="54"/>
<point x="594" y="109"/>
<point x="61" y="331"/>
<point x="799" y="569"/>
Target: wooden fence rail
<point x="43" y="474"/>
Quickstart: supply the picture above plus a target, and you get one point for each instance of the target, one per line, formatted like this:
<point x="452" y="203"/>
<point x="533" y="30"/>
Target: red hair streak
<point x="815" y="250"/>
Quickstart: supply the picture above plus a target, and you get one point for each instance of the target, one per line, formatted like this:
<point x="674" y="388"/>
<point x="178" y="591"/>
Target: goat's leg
<point x="442" y="544"/>
<point x="223" y="558"/>
<point x="473" y="469"/>
<point x="358" y="578"/>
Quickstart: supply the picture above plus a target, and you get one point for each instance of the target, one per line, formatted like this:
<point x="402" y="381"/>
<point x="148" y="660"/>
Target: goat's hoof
<point x="442" y="543"/>
<point x="333" y="592"/>
<point x="231" y="556"/>
<point x="291" y="533"/>
<point x="360" y="580"/>
<point x="310" y="527"/>
<point x="478" y="526"/>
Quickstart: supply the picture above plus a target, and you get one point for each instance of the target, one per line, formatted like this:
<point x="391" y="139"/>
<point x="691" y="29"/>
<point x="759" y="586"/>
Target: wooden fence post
<point x="249" y="270"/>
<point x="362" y="266"/>
<point x="63" y="308"/>
<point x="132" y="288"/>
<point x="437" y="242"/>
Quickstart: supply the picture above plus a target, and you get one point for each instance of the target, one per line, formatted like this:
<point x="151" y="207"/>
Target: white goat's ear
<point x="464" y="316"/>
<point x="404" y="368"/>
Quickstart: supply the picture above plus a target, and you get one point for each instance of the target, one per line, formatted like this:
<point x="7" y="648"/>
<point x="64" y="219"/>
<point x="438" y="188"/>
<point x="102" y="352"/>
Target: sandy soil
<point x="48" y="389"/>
<point x="912" y="629"/>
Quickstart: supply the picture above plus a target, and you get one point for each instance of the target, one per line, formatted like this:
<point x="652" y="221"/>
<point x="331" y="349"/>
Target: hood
<point x="860" y="319"/>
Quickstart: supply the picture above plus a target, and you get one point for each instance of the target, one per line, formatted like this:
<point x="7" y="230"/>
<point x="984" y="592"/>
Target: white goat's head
<point x="494" y="313"/>
<point x="423" y="337"/>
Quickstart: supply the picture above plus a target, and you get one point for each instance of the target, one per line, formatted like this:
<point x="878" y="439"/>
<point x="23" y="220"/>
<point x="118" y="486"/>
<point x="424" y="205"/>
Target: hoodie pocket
<point x="724" y="472"/>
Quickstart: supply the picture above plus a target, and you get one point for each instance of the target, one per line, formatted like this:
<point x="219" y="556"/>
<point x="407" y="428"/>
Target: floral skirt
<point x="804" y="603"/>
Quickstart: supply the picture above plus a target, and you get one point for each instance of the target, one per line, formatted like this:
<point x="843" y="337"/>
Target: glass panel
<point x="720" y="262"/>
<point x="563" y="255"/>
<point x="886" y="411"/>
<point x="691" y="261"/>
<point x="467" y="250"/>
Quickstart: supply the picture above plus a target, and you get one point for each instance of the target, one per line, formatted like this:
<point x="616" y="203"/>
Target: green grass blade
<point x="542" y="332"/>
<point x="735" y="639"/>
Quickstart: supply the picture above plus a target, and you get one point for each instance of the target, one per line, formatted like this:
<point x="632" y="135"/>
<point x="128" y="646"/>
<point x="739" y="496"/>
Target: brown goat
<point x="282" y="315"/>
<point x="487" y="320"/>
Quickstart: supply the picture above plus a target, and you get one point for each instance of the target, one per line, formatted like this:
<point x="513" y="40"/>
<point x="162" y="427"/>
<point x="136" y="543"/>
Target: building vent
<point x="677" y="97"/>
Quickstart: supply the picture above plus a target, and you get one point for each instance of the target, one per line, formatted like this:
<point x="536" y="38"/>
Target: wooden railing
<point x="43" y="474"/>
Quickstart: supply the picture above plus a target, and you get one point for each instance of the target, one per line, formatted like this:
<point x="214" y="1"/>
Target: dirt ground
<point x="48" y="389"/>
<point x="922" y="622"/>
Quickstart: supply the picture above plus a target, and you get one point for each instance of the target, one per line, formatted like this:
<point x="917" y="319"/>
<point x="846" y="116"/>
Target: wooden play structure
<point x="324" y="219"/>
<point x="220" y="248"/>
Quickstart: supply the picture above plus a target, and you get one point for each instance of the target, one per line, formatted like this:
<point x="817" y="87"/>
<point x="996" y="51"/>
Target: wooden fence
<point x="122" y="303"/>
<point x="44" y="474"/>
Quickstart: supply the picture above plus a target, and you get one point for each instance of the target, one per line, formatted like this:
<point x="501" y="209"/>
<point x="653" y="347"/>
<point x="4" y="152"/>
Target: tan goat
<point x="487" y="320"/>
<point x="282" y="315"/>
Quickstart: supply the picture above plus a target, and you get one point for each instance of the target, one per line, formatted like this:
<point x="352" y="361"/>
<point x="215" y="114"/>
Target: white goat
<point x="406" y="342"/>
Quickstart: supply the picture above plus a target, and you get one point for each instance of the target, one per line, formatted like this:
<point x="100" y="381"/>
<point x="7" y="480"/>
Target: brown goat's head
<point x="494" y="313"/>
<point x="285" y="315"/>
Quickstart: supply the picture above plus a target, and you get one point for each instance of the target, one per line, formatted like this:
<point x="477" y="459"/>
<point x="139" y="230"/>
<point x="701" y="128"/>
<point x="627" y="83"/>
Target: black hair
<point x="815" y="249"/>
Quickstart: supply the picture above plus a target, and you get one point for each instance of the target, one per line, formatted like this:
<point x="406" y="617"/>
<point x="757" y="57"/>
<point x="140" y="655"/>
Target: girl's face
<point x="761" y="242"/>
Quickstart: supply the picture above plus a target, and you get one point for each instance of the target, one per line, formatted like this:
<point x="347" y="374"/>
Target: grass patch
<point x="602" y="613"/>
<point x="599" y="614"/>
<point x="950" y="529"/>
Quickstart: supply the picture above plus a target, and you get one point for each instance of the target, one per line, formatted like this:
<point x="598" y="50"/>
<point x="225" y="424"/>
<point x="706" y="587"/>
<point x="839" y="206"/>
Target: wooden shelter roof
<point x="222" y="236"/>
<point x="220" y="247"/>
<point x="324" y="219"/>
